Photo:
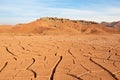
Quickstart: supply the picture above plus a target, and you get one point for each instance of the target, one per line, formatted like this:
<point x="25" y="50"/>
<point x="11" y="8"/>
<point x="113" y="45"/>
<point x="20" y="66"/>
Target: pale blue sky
<point x="20" y="11"/>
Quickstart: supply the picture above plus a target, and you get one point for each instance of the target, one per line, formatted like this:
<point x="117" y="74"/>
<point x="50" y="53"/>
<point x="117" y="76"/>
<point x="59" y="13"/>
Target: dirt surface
<point x="83" y="57"/>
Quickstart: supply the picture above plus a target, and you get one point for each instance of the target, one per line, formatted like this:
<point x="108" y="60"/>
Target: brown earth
<point x="83" y="57"/>
<point x="58" y="26"/>
<point x="59" y="52"/>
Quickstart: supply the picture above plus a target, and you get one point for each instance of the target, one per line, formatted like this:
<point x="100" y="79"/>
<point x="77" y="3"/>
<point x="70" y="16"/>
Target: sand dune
<point x="59" y="49"/>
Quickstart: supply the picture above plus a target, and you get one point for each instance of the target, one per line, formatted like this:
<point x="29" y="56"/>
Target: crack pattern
<point x="55" y="58"/>
<point x="4" y="67"/>
<point x="10" y="51"/>
<point x="55" y="67"/>
<point x="76" y="77"/>
<point x="28" y="68"/>
<point x="109" y="72"/>
<point x="71" y="54"/>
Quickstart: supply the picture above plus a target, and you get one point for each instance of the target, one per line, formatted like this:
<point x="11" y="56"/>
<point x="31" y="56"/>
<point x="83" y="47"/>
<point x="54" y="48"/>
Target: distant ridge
<point x="112" y="24"/>
<point x="59" y="26"/>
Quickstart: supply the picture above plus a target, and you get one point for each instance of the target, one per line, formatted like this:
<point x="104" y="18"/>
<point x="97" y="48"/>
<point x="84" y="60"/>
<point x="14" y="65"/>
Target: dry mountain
<point x="112" y="24"/>
<point x="54" y="26"/>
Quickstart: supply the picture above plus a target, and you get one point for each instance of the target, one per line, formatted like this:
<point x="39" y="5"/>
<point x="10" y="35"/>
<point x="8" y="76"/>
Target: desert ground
<point x="60" y="49"/>
<point x="63" y="57"/>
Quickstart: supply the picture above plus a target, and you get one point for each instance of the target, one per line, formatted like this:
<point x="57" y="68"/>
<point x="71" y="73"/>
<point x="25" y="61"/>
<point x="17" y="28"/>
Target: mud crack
<point x="21" y="46"/>
<point x="71" y="54"/>
<point x="10" y="51"/>
<point x="28" y="68"/>
<point x="3" y="67"/>
<point x="75" y="76"/>
<point x="109" y="72"/>
<point x="55" y="67"/>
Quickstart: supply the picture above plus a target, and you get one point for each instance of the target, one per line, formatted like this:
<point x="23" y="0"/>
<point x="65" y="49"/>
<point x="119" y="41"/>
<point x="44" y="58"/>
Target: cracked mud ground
<point x="85" y="57"/>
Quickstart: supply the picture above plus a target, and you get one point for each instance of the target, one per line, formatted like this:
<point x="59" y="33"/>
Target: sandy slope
<point x="83" y="57"/>
<point x="58" y="26"/>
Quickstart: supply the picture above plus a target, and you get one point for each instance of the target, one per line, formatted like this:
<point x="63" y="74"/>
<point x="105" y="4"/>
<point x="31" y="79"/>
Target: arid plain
<point x="59" y="49"/>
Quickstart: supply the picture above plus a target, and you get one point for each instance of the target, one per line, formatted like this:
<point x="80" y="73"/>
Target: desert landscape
<point x="53" y="48"/>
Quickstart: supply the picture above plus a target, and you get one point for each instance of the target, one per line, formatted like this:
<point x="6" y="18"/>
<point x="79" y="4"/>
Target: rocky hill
<point x="56" y="26"/>
<point x="112" y="24"/>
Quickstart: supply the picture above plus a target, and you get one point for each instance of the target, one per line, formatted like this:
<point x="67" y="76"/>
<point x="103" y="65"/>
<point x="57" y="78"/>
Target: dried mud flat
<point x="83" y="57"/>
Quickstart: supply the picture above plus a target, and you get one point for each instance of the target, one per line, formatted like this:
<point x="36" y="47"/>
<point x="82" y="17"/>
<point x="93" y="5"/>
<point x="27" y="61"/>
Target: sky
<point x="23" y="11"/>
